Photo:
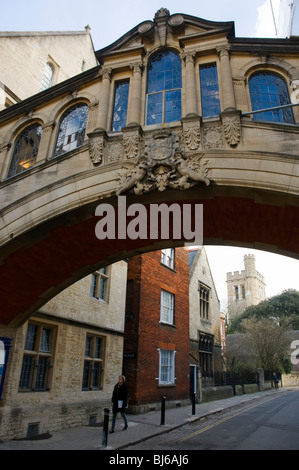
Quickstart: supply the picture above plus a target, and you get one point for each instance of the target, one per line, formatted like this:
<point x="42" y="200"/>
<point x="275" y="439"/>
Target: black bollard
<point x="105" y="427"/>
<point x="163" y="399"/>
<point x="193" y="403"/>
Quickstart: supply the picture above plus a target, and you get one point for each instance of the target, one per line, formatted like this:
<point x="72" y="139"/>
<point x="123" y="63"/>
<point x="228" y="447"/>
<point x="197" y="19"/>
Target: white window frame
<point x="167" y="257"/>
<point x="166" y="367"/>
<point x="167" y="307"/>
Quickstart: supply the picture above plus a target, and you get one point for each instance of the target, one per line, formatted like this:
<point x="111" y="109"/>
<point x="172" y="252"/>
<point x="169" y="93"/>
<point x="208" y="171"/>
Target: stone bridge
<point x="244" y="171"/>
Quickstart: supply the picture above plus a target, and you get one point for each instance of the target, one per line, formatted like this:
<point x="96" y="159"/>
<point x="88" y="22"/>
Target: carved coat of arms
<point x="163" y="165"/>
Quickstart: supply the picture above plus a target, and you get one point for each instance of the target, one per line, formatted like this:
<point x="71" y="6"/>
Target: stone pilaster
<point x="191" y="93"/>
<point x="134" y="105"/>
<point x="106" y="74"/>
<point x="228" y="95"/>
<point x="45" y="142"/>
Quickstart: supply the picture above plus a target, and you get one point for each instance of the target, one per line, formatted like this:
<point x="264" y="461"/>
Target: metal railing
<point x="270" y="109"/>
<point x="230" y="378"/>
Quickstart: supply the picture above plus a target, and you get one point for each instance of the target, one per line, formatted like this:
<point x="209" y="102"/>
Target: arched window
<point x="71" y="130"/>
<point x="25" y="150"/>
<point x="268" y="90"/>
<point x="164" y="83"/>
<point x="47" y="77"/>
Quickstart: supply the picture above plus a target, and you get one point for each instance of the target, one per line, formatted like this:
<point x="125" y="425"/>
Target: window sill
<point x="172" y="325"/>
<point x="166" y="385"/>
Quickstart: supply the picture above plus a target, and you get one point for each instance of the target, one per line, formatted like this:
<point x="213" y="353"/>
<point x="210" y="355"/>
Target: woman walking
<point x="120" y="401"/>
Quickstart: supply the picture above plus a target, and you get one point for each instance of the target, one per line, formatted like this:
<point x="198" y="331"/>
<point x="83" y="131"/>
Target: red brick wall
<point x="144" y="334"/>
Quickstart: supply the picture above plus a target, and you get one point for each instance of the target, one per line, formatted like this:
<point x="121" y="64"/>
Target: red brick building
<point x="156" y="347"/>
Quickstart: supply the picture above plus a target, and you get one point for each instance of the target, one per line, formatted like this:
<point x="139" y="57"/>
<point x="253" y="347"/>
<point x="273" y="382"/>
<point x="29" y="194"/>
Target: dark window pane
<point x="97" y="349"/>
<point x="267" y="91"/>
<point x="45" y="340"/>
<point x="25" y="151"/>
<point x="88" y="346"/>
<point x="120" y="108"/>
<point x="41" y="373"/>
<point x="27" y="373"/>
<point x="85" y="381"/>
<point x="210" y="99"/>
<point x="30" y="337"/>
<point x="96" y="375"/>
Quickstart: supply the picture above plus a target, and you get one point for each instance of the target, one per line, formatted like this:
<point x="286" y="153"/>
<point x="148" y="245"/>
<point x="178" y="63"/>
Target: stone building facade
<point x="33" y="61"/>
<point x="244" y="288"/>
<point x="204" y="325"/>
<point x="65" y="361"/>
<point x="119" y="128"/>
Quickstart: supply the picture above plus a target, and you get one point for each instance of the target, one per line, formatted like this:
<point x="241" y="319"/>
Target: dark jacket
<point x="120" y="392"/>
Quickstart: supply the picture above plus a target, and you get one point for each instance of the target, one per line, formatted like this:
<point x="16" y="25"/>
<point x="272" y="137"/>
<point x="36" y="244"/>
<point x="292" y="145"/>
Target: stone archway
<point x="41" y="262"/>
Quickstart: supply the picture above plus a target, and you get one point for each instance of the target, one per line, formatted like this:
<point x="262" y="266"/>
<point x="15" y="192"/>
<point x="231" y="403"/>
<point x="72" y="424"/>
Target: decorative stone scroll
<point x="191" y="132"/>
<point x="295" y="93"/>
<point x="97" y="142"/>
<point x="131" y="141"/>
<point x="232" y="127"/>
<point x="163" y="166"/>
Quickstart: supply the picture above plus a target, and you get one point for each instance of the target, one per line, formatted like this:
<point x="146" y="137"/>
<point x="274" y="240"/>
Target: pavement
<point x="140" y="427"/>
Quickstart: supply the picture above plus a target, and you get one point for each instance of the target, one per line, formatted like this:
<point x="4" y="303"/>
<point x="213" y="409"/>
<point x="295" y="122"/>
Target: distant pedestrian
<point x="120" y="401"/>
<point x="275" y="380"/>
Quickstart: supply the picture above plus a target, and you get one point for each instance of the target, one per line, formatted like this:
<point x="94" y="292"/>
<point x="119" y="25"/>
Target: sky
<point x="108" y="22"/>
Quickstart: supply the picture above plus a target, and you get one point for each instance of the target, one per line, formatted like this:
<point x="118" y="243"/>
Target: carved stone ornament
<point x="232" y="128"/>
<point x="295" y="93"/>
<point x="131" y="143"/>
<point x="96" y="146"/>
<point x="163" y="166"/>
<point x="191" y="132"/>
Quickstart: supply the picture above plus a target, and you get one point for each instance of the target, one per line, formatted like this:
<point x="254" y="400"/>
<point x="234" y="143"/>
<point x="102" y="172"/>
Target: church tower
<point x="244" y="288"/>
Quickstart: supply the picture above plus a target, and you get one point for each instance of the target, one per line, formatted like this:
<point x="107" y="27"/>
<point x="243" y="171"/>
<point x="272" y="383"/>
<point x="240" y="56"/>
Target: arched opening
<point x="62" y="250"/>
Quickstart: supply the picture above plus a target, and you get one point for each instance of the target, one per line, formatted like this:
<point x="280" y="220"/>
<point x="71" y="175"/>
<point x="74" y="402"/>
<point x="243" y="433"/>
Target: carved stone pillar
<point x="4" y="159"/>
<point x="228" y="95"/>
<point x="106" y="74"/>
<point x="191" y="93"/>
<point x="134" y="106"/>
<point x="44" y="145"/>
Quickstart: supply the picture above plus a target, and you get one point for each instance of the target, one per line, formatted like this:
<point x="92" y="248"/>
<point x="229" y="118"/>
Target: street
<point x="271" y="423"/>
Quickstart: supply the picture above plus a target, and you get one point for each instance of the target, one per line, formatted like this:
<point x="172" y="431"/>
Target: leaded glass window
<point x="99" y="284"/>
<point x="37" y="359"/>
<point x="92" y="377"/>
<point x="71" y="130"/>
<point x="164" y="85"/>
<point x="210" y="99"/>
<point x="268" y="90"/>
<point x="25" y="150"/>
<point x="120" y="107"/>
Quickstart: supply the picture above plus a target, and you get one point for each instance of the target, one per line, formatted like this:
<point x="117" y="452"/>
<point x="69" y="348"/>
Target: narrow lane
<point x="268" y="424"/>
